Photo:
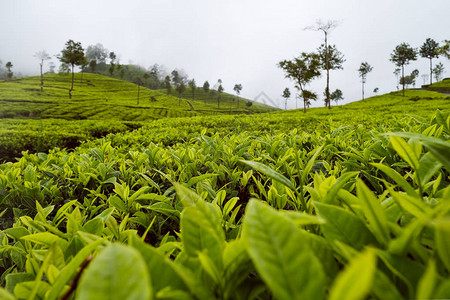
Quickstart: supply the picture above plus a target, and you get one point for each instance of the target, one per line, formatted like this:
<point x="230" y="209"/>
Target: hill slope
<point x="241" y="202"/>
<point x="99" y="97"/>
<point x="35" y="121"/>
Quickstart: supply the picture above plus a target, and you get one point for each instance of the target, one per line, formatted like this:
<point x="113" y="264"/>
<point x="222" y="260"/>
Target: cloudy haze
<point x="238" y="41"/>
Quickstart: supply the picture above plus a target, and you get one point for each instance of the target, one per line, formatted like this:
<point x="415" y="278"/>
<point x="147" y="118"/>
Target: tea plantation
<point x="347" y="203"/>
<point x="35" y="121"/>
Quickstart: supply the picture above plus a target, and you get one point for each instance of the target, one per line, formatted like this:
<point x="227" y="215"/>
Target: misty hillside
<point x="100" y="97"/>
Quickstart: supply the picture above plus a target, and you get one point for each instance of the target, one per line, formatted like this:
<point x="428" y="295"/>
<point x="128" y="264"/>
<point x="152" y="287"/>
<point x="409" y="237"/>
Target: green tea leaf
<point x="438" y="147"/>
<point x="309" y="165"/>
<point x="374" y="212"/>
<point x="201" y="231"/>
<point x="428" y="166"/>
<point x="442" y="234"/>
<point x="24" y="290"/>
<point x="428" y="282"/>
<point x="344" y="226"/>
<point x="355" y="282"/>
<point x="118" y="272"/>
<point x="284" y="261"/>
<point x="405" y="151"/>
<point x="161" y="269"/>
<point x="12" y="279"/>
<point x="70" y="270"/>
<point x="94" y="226"/>
<point x="384" y="288"/>
<point x="5" y="295"/>
<point x="399" y="180"/>
<point x="408" y="270"/>
<point x="337" y="186"/>
<point x="270" y="172"/>
<point x="46" y="238"/>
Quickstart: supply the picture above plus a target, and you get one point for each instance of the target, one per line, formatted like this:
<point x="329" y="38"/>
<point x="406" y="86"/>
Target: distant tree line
<point x="308" y="66"/>
<point x="404" y="54"/>
<point x="97" y="59"/>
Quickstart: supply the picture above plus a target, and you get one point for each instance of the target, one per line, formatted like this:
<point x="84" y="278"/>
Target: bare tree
<point x="42" y="56"/>
<point x="363" y="70"/>
<point x="326" y="28"/>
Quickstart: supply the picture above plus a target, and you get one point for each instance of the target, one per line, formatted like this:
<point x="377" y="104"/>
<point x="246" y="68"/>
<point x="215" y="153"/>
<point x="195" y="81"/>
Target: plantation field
<point x="347" y="203"/>
<point x="99" y="98"/>
<point x="442" y="86"/>
<point x="35" y="121"/>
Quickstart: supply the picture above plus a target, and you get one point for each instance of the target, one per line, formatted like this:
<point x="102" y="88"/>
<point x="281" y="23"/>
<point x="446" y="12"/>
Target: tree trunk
<point x="431" y="72"/>
<point x="327" y="66"/>
<point x="139" y="87"/>
<point x="304" y="105"/>
<point x="363" y="89"/>
<point x="42" y="77"/>
<point x="71" y="88"/>
<point x="403" y="76"/>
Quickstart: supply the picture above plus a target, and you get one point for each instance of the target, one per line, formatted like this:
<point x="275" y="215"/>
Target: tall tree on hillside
<point x="112" y="57"/>
<point x="72" y="54"/>
<point x="302" y="70"/>
<point x="181" y="87"/>
<point x="146" y="77"/>
<point x="206" y="86"/>
<point x="326" y="28"/>
<point x="83" y="64"/>
<point x="219" y="90"/>
<point x="286" y="95"/>
<point x="438" y="70"/>
<point x="397" y="76"/>
<point x="206" y="89"/>
<point x="63" y="69"/>
<point x="51" y="68"/>
<point x="331" y="59"/>
<point x="9" y="66"/>
<point x="238" y="88"/>
<point x="176" y="79"/>
<point x="167" y="84"/>
<point x="410" y="79"/>
<point x="363" y="70"/>
<point x="402" y="55"/>
<point x="155" y="72"/>
<point x="337" y="96"/>
<point x="93" y="65"/>
<point x="97" y="52"/>
<point x="42" y="56"/>
<point x="193" y="87"/>
<point x="430" y="50"/>
<point x="444" y="50"/>
<point x="138" y="82"/>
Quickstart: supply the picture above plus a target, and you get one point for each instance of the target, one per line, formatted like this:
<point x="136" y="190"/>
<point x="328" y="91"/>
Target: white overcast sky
<point x="238" y="41"/>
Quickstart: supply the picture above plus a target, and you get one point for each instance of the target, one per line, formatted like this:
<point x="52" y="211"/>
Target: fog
<point x="238" y="41"/>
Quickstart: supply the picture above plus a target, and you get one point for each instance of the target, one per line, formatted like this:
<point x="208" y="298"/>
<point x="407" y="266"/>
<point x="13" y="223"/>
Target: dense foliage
<point x="39" y="121"/>
<point x="238" y="207"/>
